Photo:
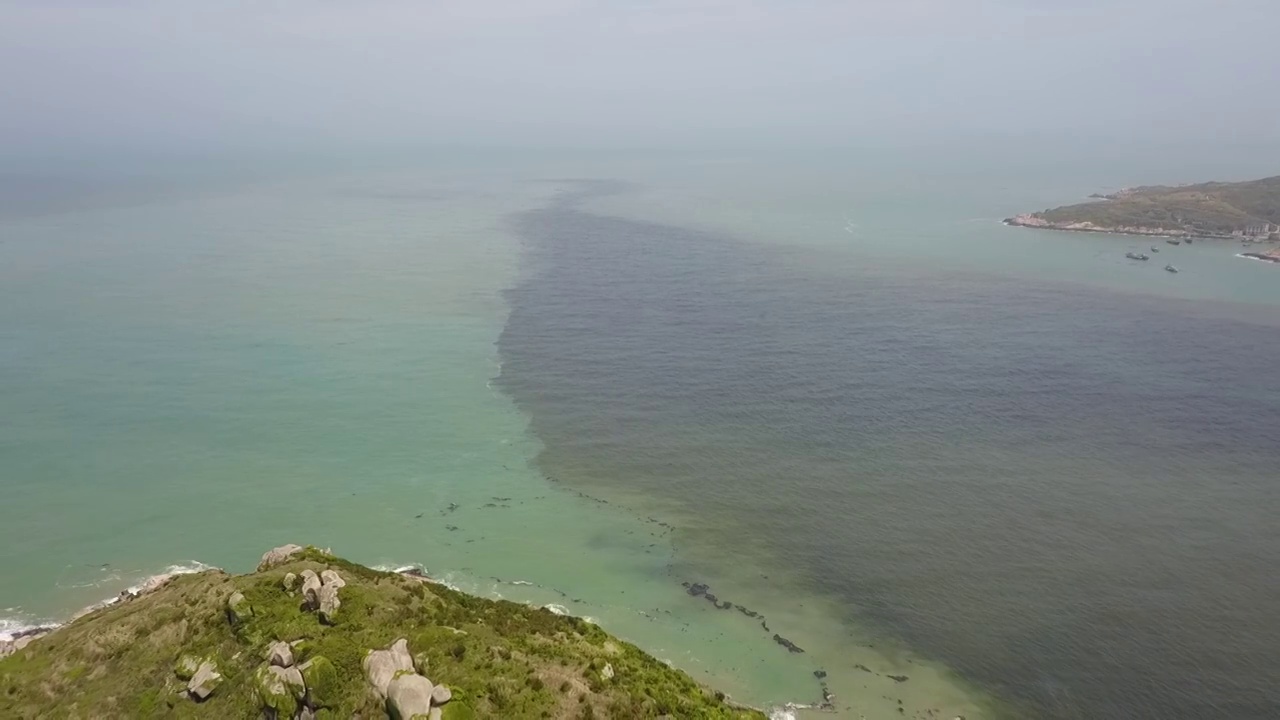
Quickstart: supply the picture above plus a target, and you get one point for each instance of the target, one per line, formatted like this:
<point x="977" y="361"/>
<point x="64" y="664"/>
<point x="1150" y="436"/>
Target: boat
<point x="1171" y="268"/>
<point x="1174" y="242"/>
<point x="1136" y="256"/>
<point x="1188" y="241"/>
<point x="1155" y="249"/>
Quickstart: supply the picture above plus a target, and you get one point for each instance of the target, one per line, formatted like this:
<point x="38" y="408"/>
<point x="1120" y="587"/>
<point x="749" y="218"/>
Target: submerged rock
<point x="790" y="646"/>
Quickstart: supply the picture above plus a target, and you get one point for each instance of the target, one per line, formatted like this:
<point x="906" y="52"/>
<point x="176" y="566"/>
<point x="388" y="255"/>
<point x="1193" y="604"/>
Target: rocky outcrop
<point x="380" y="666"/>
<point x="186" y="667"/>
<point x="329" y="603"/>
<point x="276" y="691"/>
<point x="311" y="589"/>
<point x="280" y="654"/>
<point x="205" y="680"/>
<point x="331" y="577"/>
<point x="321" y="679"/>
<point x="276" y="556"/>
<point x="238" y="608"/>
<point x="22" y="639"/>
<point x="409" y="696"/>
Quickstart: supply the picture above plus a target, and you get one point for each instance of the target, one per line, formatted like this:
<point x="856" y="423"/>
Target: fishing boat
<point x="1171" y="268"/>
<point x="1136" y="256"/>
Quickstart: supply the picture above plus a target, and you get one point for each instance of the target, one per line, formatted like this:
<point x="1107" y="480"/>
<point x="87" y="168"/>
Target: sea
<point x="812" y="425"/>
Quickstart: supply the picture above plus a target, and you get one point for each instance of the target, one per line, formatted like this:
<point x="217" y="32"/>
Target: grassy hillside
<point x="1206" y="209"/>
<point x="497" y="658"/>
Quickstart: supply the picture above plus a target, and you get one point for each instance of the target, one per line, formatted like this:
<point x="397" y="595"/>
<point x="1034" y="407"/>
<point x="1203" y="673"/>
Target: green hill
<point x="294" y="640"/>
<point x="1213" y="209"/>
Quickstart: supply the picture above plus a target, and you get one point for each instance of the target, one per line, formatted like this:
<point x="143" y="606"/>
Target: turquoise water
<point x="192" y="380"/>
<point x="195" y="375"/>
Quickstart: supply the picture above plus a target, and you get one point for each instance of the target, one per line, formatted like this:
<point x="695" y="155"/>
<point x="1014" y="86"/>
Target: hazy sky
<point x="217" y="72"/>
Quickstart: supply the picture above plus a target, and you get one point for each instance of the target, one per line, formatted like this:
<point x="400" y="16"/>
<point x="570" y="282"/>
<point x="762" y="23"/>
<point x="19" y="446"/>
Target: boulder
<point x="311" y="589"/>
<point x="290" y="582"/>
<point x="306" y="713"/>
<point x="277" y="690"/>
<point x="329" y="577"/>
<point x="280" y="654"/>
<point x="607" y="672"/>
<point x="421" y="662"/>
<point x="441" y="695"/>
<point x="380" y="666"/>
<point x="238" y="608"/>
<point x="329" y="604"/>
<point x="437" y="713"/>
<point x="321" y="678"/>
<point x="292" y="678"/>
<point x="409" y="696"/>
<point x="205" y="680"/>
<point x="186" y="667"/>
<point x="275" y="556"/>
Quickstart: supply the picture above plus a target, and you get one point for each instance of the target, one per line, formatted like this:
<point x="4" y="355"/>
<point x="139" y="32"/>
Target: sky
<point x="215" y="73"/>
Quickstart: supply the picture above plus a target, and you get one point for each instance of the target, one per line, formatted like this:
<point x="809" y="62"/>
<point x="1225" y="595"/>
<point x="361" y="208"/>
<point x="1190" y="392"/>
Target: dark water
<point x="1070" y="497"/>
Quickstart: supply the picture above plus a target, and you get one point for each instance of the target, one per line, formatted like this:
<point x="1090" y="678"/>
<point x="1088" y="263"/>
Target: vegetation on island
<point x="145" y="656"/>
<point x="1213" y="209"/>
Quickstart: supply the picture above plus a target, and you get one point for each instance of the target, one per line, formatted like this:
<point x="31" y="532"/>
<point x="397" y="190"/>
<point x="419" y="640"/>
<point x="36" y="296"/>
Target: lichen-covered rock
<point x="186" y="667"/>
<point x="329" y="603"/>
<point x="331" y="577"/>
<point x="275" y="556"/>
<point x="311" y="589"/>
<point x="380" y="666"/>
<point x="238" y="608"/>
<point x="323" y="683"/>
<point x="205" y="680"/>
<point x="280" y="654"/>
<point x="290" y="582"/>
<point x="409" y="697"/>
<point x="276" y="690"/>
<point x="441" y="695"/>
<point x="607" y="672"/>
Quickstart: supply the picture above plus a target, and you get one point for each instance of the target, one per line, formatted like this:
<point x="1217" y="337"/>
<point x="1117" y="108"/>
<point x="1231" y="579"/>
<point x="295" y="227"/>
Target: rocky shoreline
<point x="1031" y="220"/>
<point x="1271" y="256"/>
<point x="310" y="635"/>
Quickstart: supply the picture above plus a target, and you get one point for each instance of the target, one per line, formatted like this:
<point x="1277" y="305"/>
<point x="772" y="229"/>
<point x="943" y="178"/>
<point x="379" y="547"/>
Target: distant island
<point x="1246" y="211"/>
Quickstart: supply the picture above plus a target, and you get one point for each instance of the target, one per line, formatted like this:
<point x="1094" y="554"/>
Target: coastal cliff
<point x="1244" y="210"/>
<point x="309" y="635"/>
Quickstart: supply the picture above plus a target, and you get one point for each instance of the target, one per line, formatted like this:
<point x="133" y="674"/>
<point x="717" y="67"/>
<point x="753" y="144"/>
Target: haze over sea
<point x="1028" y="476"/>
